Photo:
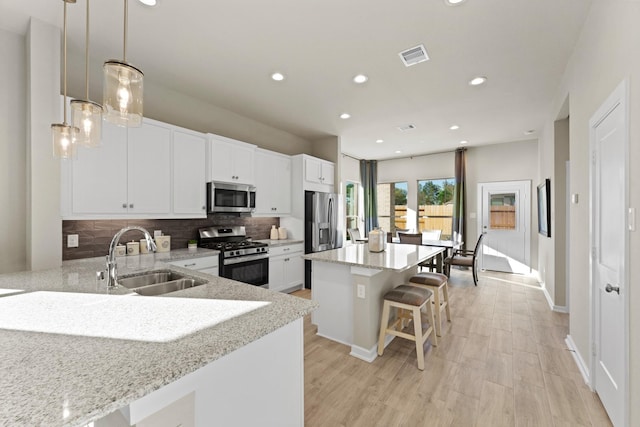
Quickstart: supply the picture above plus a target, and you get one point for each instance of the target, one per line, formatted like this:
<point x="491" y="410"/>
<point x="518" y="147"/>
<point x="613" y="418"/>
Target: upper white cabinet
<point x="273" y="183"/>
<point x="231" y="161"/>
<point x="318" y="171"/>
<point x="189" y="173"/>
<point x="153" y="171"/>
<point x="149" y="168"/>
<point x="129" y="174"/>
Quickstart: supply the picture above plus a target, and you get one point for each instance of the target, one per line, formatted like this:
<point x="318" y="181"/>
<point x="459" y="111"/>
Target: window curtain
<point x="369" y="179"/>
<point x="460" y="197"/>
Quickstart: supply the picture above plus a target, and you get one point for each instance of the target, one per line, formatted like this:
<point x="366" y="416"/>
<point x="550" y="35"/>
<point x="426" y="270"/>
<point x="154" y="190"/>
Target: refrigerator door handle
<point x="331" y="225"/>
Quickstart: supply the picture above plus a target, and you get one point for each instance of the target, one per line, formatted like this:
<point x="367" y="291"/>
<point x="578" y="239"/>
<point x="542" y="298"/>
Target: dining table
<point x="449" y="247"/>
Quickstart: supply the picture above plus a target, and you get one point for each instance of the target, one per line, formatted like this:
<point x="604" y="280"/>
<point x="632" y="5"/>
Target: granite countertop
<point x="396" y="257"/>
<point x="276" y="243"/>
<point x="72" y="351"/>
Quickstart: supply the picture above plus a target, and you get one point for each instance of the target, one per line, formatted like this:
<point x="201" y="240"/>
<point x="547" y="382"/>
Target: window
<point x="351" y="205"/>
<point x="503" y="211"/>
<point x="435" y="206"/>
<point x="392" y="206"/>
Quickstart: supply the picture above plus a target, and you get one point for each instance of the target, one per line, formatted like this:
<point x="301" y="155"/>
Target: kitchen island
<point x="74" y="352"/>
<point x="349" y="284"/>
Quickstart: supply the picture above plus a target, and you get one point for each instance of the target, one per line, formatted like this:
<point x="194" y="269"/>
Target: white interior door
<point x="609" y="242"/>
<point x="505" y="221"/>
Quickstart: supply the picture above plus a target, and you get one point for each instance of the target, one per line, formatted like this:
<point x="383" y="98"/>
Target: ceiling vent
<point x="406" y="127"/>
<point x="414" y="55"/>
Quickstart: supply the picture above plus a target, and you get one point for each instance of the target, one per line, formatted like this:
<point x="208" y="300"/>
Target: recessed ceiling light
<point x="463" y="141"/>
<point x="277" y="77"/>
<point x="398" y="151"/>
<point x="379" y="141"/>
<point x="360" y="78"/>
<point x="454" y="127"/>
<point x="345" y="116"/>
<point x="477" y="81"/>
<point x="454" y="2"/>
<point x="148" y="2"/>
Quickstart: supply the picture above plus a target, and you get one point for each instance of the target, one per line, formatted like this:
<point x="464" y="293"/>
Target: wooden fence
<point x="431" y="217"/>
<point x="503" y="217"/>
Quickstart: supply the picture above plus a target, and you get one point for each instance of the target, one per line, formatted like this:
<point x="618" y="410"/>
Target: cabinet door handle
<point x="190" y="265"/>
<point x="204" y="207"/>
<point x="124" y="206"/>
<point x="286" y="249"/>
<point x="131" y="206"/>
<point x="286" y="259"/>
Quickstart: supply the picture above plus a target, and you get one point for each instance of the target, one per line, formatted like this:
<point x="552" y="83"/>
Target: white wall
<point x="13" y="125"/>
<point x="605" y="54"/>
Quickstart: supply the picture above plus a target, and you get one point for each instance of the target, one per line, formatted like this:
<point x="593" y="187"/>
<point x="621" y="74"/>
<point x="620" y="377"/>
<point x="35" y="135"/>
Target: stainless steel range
<point x="241" y="258"/>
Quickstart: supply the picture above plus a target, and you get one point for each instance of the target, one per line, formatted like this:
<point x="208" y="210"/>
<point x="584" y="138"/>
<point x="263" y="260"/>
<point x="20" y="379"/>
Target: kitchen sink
<point x="158" y="282"/>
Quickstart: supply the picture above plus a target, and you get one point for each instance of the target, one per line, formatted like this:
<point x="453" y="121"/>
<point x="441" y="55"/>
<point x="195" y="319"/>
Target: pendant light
<point x="86" y="115"/>
<point x="122" y="88"/>
<point x="64" y="144"/>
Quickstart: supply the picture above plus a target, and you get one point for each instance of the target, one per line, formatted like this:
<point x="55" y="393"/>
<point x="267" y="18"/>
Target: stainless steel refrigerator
<point x="320" y="226"/>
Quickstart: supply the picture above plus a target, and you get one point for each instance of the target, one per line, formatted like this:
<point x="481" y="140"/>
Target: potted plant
<point x="193" y="244"/>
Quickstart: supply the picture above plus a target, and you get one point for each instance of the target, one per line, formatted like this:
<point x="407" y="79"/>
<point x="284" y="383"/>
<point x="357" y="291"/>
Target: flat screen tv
<point x="544" y="208"/>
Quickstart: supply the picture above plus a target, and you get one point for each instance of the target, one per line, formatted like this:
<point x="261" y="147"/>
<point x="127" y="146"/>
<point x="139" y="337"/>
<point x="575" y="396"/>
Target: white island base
<point x="258" y="384"/>
<point x="350" y="299"/>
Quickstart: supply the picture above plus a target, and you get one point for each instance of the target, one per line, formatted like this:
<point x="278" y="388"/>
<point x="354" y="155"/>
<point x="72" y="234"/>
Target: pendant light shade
<point x="86" y="115"/>
<point x="63" y="135"/>
<point x="122" y="87"/>
<point x="122" y="96"/>
<point x="64" y="144"/>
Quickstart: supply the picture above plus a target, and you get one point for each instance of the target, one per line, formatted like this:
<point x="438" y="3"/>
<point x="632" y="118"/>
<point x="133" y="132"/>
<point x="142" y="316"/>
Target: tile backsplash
<point x="94" y="236"/>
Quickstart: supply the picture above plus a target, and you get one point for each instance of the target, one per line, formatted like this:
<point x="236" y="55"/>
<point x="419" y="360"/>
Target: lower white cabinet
<point x="208" y="264"/>
<point x="286" y="267"/>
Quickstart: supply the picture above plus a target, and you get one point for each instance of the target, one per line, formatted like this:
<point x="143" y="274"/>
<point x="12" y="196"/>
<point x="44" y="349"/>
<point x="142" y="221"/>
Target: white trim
<point x="556" y="308"/>
<point x="577" y="357"/>
<point x="619" y="97"/>
<point x="371" y="354"/>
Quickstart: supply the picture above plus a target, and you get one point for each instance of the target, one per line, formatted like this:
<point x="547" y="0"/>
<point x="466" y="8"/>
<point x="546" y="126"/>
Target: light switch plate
<point x="72" y="240"/>
<point x="360" y="291"/>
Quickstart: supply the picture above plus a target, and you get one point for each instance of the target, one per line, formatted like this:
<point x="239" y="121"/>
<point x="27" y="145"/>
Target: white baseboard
<point x="558" y="308"/>
<point x="369" y="355"/>
<point x="577" y="357"/>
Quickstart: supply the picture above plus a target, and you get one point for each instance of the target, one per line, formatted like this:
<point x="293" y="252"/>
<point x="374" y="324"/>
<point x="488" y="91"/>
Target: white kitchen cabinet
<point x="231" y="161"/>
<point x="129" y="174"/>
<point x="189" y="174"/>
<point x="273" y="183"/>
<point x="209" y="264"/>
<point x="98" y="177"/>
<point x="318" y="171"/>
<point x="286" y="267"/>
<point x="149" y="168"/>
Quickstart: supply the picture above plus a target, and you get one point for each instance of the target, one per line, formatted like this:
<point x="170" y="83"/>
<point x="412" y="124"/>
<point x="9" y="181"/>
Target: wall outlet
<point x="157" y="233"/>
<point x="472" y="215"/>
<point x="72" y="240"/>
<point x="360" y="291"/>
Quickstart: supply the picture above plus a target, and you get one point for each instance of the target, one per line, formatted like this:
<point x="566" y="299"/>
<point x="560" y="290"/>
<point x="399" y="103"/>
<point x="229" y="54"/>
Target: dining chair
<point x="465" y="258"/>
<point x="416" y="239"/>
<point x="431" y="234"/>
<point x="354" y="235"/>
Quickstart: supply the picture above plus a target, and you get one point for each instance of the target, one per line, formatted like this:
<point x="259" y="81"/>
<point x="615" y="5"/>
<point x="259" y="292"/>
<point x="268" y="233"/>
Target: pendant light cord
<point x="64" y="70"/>
<point x="126" y="24"/>
<point x="86" y="57"/>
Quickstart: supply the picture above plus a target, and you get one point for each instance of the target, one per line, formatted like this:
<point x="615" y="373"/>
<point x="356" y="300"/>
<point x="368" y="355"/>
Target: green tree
<point x="400" y="197"/>
<point x="428" y="193"/>
<point x="446" y="194"/>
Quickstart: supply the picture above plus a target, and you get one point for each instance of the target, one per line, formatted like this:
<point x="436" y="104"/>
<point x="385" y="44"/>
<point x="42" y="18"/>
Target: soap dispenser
<point x="274" y="233"/>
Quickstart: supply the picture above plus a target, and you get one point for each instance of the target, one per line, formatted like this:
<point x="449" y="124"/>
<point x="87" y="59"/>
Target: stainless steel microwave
<point x="225" y="197"/>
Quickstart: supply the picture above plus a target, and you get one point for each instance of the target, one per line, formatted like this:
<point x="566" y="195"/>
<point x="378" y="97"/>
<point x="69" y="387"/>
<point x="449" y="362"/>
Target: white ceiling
<point x="225" y="52"/>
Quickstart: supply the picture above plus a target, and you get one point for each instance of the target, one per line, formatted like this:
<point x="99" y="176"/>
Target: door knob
<point x="610" y="288"/>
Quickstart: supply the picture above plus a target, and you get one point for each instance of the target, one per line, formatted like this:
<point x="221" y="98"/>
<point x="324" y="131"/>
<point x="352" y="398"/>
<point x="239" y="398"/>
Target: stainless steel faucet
<point x="112" y="268"/>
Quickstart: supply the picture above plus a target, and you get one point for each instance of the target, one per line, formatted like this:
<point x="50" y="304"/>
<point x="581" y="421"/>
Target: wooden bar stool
<point x="410" y="298"/>
<point x="437" y="283"/>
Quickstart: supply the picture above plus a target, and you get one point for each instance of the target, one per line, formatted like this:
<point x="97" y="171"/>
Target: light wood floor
<point x="502" y="361"/>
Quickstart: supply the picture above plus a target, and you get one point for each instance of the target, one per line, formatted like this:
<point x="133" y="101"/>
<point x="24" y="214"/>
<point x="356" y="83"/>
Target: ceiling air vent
<point x="405" y="128"/>
<point x="414" y="55"/>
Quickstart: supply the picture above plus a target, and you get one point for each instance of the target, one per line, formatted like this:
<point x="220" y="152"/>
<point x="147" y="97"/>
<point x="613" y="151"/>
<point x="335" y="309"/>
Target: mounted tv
<point x="544" y="208"/>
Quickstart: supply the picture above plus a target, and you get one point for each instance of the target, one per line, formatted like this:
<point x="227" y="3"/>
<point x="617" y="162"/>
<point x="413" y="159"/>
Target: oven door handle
<point x="240" y="259"/>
